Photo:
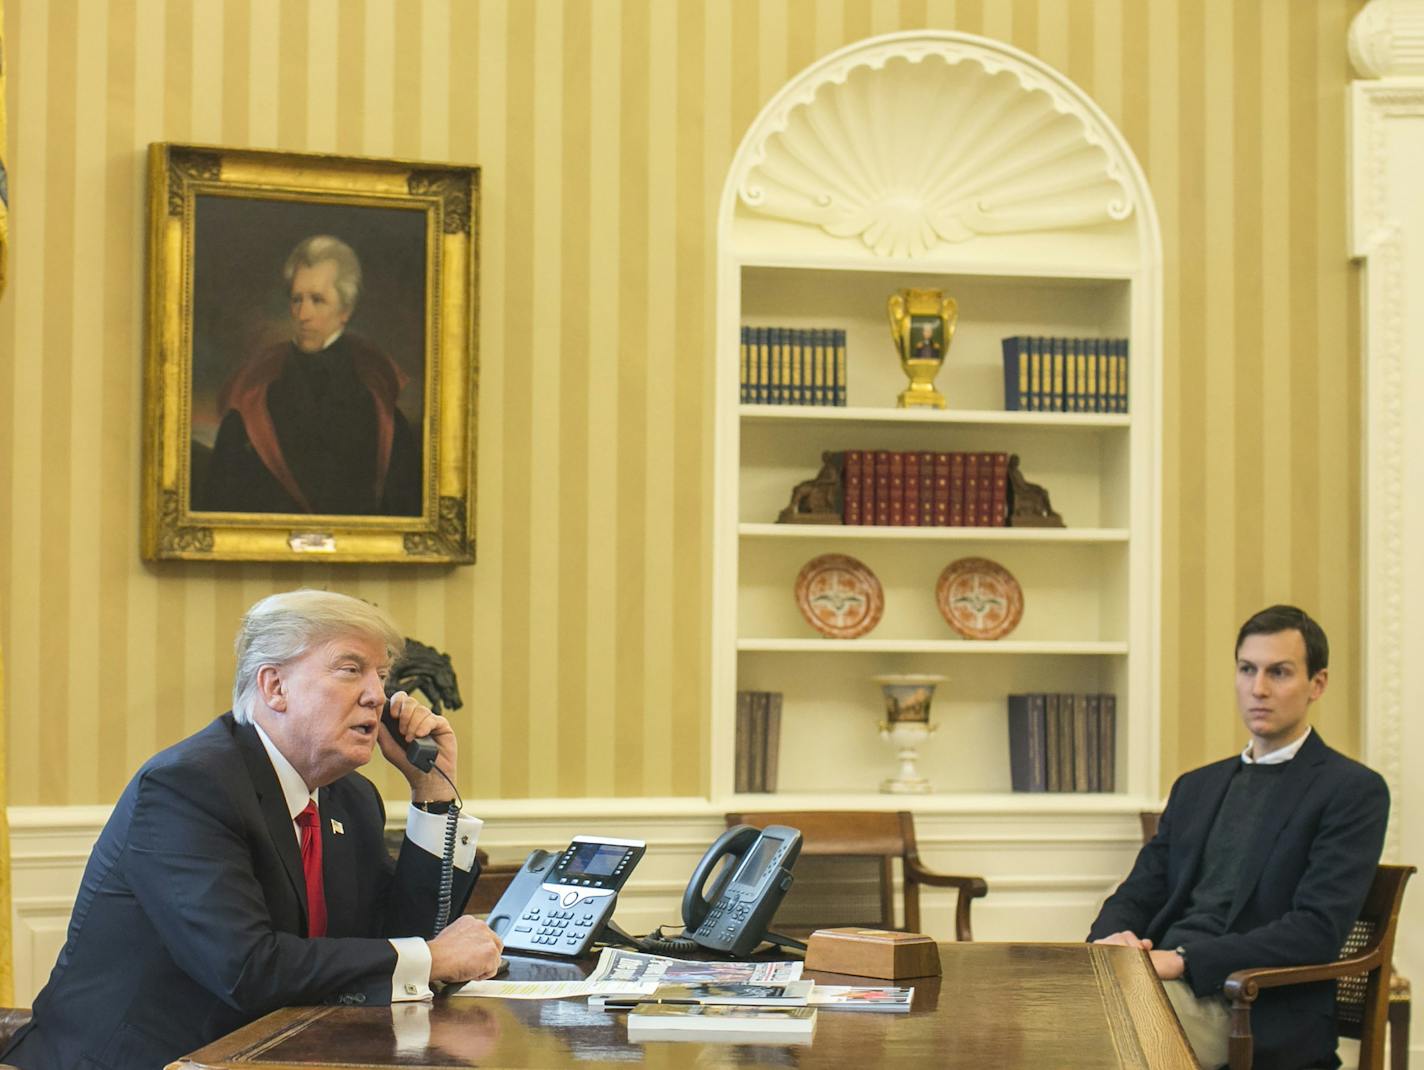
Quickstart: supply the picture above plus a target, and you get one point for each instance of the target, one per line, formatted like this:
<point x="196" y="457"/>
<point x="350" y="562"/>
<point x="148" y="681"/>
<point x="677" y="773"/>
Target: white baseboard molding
<point x="1047" y="873"/>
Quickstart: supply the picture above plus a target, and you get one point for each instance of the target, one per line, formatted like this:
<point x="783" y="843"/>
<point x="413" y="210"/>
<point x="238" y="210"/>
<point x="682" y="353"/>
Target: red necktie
<point x="310" y="822"/>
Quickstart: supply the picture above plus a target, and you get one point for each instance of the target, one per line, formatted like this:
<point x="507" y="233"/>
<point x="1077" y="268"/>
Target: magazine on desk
<point x="630" y="974"/>
<point x="857" y="998"/>
<point x="791" y="994"/>
<point x="704" y="1022"/>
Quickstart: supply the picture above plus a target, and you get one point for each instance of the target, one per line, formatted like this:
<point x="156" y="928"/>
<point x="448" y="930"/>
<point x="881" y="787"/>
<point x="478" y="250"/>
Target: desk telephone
<point x="747" y="891"/>
<point x="559" y="904"/>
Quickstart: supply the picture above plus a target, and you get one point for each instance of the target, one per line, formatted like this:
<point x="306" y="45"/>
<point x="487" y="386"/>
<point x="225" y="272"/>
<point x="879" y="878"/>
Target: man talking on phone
<point x="244" y="868"/>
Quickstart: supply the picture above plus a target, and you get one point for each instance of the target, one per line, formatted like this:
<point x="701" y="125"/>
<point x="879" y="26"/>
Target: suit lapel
<point x="273" y="805"/>
<point x="338" y="865"/>
<point x="1202" y="813"/>
<point x="1296" y="778"/>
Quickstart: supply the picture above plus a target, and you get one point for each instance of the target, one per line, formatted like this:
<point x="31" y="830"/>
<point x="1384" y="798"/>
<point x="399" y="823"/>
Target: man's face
<point x="331" y="700"/>
<point x="317" y="312"/>
<point x="1274" y="689"/>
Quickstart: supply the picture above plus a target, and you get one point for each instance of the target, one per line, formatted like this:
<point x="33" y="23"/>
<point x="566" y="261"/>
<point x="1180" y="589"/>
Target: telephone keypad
<point x="556" y="927"/>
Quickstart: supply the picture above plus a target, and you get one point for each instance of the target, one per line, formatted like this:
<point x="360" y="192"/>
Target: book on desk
<point x="721" y="1022"/>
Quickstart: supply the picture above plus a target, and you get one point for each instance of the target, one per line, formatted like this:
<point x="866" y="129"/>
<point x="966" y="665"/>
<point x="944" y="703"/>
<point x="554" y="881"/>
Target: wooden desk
<point x="1084" y="1006"/>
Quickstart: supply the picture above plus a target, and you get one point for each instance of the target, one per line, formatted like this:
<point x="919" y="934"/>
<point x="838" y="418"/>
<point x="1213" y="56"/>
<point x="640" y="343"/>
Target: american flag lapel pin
<point x="337" y="828"/>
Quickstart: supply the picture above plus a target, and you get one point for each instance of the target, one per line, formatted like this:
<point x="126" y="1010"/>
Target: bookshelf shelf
<point x="932" y="534"/>
<point x="999" y="647"/>
<point x="787" y="259"/>
<point x="870" y="414"/>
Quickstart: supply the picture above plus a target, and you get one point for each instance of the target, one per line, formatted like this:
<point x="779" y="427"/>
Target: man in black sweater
<point x="1263" y="859"/>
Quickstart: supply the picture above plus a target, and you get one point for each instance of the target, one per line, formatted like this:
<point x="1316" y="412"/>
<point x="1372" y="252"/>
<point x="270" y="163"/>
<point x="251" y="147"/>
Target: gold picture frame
<point x="311" y="377"/>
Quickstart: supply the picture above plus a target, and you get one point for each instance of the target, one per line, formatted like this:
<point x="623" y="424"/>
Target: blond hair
<point x="283" y="627"/>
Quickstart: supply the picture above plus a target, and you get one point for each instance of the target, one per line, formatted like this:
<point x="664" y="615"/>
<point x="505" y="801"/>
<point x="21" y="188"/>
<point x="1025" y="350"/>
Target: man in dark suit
<point x="244" y="869"/>
<point x="1260" y="860"/>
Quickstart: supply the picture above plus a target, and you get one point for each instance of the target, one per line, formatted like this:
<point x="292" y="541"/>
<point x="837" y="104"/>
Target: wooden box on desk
<point x="873" y="953"/>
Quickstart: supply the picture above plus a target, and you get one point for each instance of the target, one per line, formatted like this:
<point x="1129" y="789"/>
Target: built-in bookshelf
<point x="1067" y="254"/>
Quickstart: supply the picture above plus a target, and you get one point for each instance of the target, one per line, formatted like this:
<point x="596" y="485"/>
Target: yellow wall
<point x="604" y="130"/>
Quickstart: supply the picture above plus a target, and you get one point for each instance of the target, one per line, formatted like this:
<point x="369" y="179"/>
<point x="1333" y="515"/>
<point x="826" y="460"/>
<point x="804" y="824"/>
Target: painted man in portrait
<point x="310" y="424"/>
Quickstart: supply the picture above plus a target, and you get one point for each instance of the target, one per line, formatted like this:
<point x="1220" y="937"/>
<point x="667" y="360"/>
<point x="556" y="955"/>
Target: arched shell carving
<point x="919" y="150"/>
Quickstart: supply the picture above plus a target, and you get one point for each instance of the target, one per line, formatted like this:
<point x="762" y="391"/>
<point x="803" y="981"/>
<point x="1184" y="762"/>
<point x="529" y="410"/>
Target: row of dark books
<point x="793" y="366"/>
<point x="758" y="740"/>
<point x="925" y="489"/>
<point x="1065" y="374"/>
<point x="1061" y="742"/>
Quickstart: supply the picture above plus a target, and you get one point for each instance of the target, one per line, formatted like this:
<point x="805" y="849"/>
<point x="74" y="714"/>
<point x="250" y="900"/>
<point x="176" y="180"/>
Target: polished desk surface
<point x="1084" y="1006"/>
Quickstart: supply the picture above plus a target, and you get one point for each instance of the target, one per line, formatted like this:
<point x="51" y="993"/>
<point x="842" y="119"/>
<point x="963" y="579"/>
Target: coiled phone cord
<point x="447" y="858"/>
<point x="658" y="943"/>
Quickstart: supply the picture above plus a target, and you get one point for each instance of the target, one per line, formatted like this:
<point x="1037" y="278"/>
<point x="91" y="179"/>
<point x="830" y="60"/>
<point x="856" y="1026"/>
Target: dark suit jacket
<point x="1302" y="886"/>
<point x="191" y="917"/>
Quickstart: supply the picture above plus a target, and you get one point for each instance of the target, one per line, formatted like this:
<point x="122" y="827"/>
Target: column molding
<point x="1386" y="114"/>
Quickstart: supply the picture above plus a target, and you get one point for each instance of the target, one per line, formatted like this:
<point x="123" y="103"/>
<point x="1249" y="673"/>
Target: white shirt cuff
<point x="411" y="979"/>
<point x="427" y="831"/>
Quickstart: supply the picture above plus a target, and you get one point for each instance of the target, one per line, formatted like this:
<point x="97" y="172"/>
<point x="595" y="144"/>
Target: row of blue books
<point x="1065" y="374"/>
<point x="793" y="366"/>
<point x="1061" y="742"/>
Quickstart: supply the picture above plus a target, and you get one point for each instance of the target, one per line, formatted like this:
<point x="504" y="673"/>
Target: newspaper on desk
<point x="630" y="973"/>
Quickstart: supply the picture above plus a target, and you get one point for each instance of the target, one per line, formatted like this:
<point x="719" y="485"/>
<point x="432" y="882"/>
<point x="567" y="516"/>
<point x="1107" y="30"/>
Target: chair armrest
<point x="1245" y="985"/>
<point x="970" y="889"/>
<point x="974" y="887"/>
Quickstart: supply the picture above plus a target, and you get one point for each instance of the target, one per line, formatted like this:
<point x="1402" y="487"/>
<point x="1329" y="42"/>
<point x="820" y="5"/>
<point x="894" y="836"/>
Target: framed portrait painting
<point x="311" y="377"/>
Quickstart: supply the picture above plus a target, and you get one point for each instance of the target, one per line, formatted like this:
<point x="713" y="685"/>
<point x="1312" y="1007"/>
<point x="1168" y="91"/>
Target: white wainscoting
<point x="1047" y="873"/>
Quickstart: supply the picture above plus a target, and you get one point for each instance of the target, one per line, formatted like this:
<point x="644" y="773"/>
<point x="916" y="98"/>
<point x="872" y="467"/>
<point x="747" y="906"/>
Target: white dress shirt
<point x="411" y="979"/>
<point x="1276" y="757"/>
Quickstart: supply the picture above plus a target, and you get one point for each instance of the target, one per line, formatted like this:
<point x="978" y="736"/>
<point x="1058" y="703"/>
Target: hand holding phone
<point x="420" y="752"/>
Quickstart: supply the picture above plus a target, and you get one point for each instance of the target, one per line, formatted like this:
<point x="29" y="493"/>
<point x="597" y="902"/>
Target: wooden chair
<point x="494" y="880"/>
<point x="1369" y="995"/>
<point x="845" y="875"/>
<point x="1361" y="974"/>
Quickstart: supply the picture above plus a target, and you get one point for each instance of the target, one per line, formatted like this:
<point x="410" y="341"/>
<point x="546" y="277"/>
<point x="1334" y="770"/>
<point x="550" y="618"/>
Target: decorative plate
<point x="979" y="598"/>
<point x="839" y="596"/>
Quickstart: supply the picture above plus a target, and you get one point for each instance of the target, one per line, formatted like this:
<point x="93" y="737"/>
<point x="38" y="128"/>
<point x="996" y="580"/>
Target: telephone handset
<point x="748" y="890"/>
<point x="558" y="904"/>
<point x="420" y="752"/>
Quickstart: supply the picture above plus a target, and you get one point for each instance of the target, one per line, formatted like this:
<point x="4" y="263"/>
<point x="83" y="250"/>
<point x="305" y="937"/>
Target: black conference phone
<point x="558" y="904"/>
<point x="747" y="892"/>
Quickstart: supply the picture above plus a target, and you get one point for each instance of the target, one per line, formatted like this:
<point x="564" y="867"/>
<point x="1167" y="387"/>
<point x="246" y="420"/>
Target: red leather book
<point x="927" y="491"/>
<point x="912" y="489"/>
<point x="963" y="486"/>
<point x="867" y="487"/>
<point x="940" y="499"/>
<point x="897" y="489"/>
<point x="1001" y="491"/>
<point x="984" y="515"/>
<point x="973" y="489"/>
<point x="851" y="485"/>
<point x="882" y="487"/>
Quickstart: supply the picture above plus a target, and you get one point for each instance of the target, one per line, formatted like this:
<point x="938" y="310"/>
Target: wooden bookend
<point x="873" y="953"/>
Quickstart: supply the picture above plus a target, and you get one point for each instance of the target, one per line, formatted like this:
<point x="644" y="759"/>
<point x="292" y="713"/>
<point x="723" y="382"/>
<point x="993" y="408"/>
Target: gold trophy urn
<point x="922" y="324"/>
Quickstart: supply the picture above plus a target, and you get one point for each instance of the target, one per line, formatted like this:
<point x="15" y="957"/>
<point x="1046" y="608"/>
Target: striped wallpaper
<point x="604" y="130"/>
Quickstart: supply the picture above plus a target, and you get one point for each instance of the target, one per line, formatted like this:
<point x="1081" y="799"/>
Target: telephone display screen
<point x="754" y="868"/>
<point x="594" y="860"/>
